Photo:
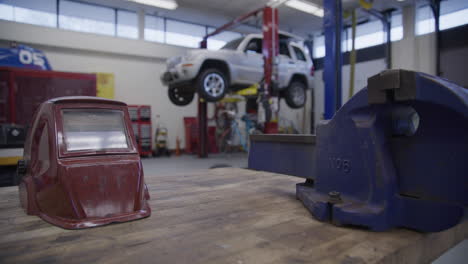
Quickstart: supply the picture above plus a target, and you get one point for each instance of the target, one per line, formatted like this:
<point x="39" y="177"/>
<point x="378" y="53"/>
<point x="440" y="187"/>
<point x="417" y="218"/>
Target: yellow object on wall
<point x="105" y="85"/>
<point x="366" y="4"/>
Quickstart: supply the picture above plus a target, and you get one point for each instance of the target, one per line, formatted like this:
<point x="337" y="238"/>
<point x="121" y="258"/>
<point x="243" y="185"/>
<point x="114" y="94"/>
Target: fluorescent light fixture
<point x="167" y="4"/>
<point x="306" y="7"/>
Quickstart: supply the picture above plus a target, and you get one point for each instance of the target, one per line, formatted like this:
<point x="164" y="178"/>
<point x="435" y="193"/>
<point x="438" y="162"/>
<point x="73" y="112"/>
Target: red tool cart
<point x="21" y="93"/>
<point x="142" y="127"/>
<point x="22" y="90"/>
<point x="191" y="136"/>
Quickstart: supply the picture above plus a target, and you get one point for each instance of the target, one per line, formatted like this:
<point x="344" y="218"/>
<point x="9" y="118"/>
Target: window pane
<point x="255" y="45"/>
<point x="345" y="36"/>
<point x="218" y="41"/>
<point x="127" y="24"/>
<point x="424" y="20"/>
<point x="319" y="47"/>
<point x="299" y="54"/>
<point x="87" y="18"/>
<point x="94" y="130"/>
<point x="454" y="13"/>
<point x="284" y="49"/>
<point x="6" y="12"/>
<point x="154" y="29"/>
<point x="454" y="19"/>
<point x="396" y="33"/>
<point x="184" y="34"/>
<point x="38" y="12"/>
<point x="369" y="34"/>
<point x="369" y="40"/>
<point x="233" y="44"/>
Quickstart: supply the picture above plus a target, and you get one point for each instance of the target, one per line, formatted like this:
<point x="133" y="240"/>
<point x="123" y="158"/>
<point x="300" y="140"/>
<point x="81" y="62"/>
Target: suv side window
<point x="299" y="54"/>
<point x="284" y="49"/>
<point x="254" y="45"/>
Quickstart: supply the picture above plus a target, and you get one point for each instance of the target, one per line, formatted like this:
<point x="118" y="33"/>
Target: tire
<point x="295" y="95"/>
<point x="212" y="85"/>
<point x="179" y="97"/>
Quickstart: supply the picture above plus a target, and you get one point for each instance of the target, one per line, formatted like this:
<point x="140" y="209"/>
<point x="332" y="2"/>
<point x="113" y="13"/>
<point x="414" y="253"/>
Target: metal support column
<point x="352" y="54"/>
<point x="141" y="24"/>
<point x="202" y="121"/>
<point x="435" y="6"/>
<point x="310" y="45"/>
<point x="388" y="31"/>
<point x="333" y="24"/>
<point x="270" y="48"/>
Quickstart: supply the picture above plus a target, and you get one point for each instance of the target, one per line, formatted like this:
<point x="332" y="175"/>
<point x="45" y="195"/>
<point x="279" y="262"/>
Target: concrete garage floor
<point x="190" y="163"/>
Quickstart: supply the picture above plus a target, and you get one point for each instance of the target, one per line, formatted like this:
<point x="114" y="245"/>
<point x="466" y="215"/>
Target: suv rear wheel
<point x="295" y="95"/>
<point x="211" y="85"/>
<point x="180" y="96"/>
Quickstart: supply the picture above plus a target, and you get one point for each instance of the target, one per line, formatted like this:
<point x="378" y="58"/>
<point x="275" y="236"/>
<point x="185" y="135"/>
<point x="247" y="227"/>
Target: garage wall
<point x="453" y="63"/>
<point x="136" y="65"/>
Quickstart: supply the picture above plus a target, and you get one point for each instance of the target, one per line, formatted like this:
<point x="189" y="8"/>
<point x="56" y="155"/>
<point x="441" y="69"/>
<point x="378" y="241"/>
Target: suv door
<point x="251" y="68"/>
<point x="301" y="60"/>
<point x="287" y="64"/>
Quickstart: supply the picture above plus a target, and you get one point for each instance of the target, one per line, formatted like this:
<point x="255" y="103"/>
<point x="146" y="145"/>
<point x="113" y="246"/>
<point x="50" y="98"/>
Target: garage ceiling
<point x="290" y="19"/>
<point x="217" y="12"/>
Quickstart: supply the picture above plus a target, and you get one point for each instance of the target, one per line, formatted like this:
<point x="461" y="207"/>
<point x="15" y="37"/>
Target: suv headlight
<point x="172" y="62"/>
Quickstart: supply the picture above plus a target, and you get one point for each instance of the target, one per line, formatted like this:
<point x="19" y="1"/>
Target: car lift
<point x="270" y="51"/>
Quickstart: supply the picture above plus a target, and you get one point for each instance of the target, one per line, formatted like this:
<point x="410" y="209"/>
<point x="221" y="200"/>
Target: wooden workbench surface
<point x="218" y="216"/>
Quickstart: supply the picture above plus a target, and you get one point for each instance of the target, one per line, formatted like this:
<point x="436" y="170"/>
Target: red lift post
<point x="270" y="52"/>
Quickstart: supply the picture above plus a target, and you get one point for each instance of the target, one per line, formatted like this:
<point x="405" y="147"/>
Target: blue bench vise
<point x="395" y="155"/>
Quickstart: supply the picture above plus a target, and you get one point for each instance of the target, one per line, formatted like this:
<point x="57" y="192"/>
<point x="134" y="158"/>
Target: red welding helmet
<point x="81" y="167"/>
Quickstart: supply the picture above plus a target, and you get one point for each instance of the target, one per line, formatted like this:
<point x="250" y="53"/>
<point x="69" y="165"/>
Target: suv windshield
<point x="233" y="44"/>
<point x="94" y="129"/>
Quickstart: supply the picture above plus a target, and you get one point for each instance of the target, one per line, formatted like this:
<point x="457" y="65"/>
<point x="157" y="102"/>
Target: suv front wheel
<point x="211" y="85"/>
<point x="295" y="95"/>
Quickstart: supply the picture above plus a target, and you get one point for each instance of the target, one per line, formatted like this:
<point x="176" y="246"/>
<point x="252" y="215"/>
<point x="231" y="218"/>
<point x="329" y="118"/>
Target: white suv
<point x="238" y="65"/>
